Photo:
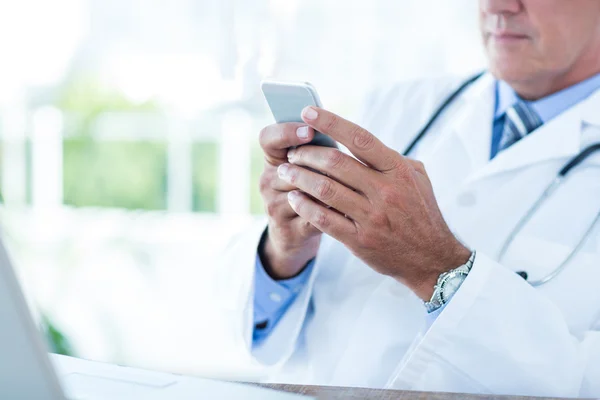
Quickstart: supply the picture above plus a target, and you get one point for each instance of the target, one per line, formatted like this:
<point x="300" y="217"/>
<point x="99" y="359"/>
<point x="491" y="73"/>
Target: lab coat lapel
<point x="557" y="139"/>
<point x="473" y="127"/>
<point x="464" y="144"/>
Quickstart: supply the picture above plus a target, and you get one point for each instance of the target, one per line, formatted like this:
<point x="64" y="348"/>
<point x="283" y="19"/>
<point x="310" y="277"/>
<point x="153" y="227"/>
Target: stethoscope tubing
<point x="556" y="183"/>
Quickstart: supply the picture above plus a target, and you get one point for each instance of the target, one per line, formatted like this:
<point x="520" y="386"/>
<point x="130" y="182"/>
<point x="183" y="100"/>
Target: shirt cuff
<point x="271" y="295"/>
<point x="272" y="299"/>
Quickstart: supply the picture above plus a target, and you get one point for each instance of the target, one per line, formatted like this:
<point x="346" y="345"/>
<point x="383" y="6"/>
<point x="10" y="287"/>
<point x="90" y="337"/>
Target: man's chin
<point x="510" y="70"/>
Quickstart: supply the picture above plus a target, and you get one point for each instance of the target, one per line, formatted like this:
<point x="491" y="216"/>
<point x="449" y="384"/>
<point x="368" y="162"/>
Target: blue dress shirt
<point x="272" y="298"/>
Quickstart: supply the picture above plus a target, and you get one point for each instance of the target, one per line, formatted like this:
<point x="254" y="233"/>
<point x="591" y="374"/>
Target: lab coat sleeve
<point x="499" y="335"/>
<point x="234" y="294"/>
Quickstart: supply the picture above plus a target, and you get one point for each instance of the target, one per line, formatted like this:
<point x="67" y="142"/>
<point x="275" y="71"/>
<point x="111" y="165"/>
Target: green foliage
<point x="115" y="174"/>
<point x="88" y="97"/>
<point x="120" y="173"/>
<point x="57" y="341"/>
<point x="256" y="168"/>
<point x="1" y="163"/>
<point x="205" y="175"/>
<point x="108" y="173"/>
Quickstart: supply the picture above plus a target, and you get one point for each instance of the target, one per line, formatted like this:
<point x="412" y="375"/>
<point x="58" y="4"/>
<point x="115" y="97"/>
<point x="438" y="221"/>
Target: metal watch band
<point x="441" y="294"/>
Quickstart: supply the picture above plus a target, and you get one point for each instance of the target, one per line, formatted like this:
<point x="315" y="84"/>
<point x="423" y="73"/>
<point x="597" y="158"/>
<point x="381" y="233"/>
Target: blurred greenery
<point x="256" y="167"/>
<point x="58" y="343"/>
<point x="108" y="173"/>
<point x="88" y="97"/>
<point x="124" y="173"/>
<point x="128" y="174"/>
<point x="205" y="176"/>
<point x="114" y="174"/>
<point x="1" y="164"/>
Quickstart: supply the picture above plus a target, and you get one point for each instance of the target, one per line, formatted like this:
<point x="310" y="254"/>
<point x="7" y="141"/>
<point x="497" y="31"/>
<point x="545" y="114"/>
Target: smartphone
<point x="287" y="100"/>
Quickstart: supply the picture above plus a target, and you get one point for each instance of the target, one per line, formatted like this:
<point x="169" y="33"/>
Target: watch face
<point x="451" y="285"/>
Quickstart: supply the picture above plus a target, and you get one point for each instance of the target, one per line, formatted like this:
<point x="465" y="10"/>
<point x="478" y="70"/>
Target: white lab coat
<point x="498" y="334"/>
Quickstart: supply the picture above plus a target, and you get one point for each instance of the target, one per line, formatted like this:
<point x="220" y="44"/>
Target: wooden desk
<point x="69" y="365"/>
<point x="337" y="393"/>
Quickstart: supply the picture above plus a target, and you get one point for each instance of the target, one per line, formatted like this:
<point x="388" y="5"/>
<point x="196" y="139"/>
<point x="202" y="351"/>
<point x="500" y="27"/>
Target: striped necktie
<point x="520" y="120"/>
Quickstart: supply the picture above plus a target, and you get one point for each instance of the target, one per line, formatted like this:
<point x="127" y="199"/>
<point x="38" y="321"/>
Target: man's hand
<point x="382" y="208"/>
<point x="291" y="241"/>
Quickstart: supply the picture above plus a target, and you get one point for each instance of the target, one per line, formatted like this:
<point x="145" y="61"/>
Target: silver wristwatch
<point x="448" y="283"/>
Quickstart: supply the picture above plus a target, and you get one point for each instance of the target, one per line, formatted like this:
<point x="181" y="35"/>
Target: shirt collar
<point x="549" y="106"/>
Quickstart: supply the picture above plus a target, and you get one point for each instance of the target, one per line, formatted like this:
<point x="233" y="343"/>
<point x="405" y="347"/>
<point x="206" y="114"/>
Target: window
<point x="129" y="140"/>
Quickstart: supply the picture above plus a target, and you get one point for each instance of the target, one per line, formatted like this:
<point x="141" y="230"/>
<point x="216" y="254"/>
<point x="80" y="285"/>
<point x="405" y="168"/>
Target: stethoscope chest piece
<point x="523" y="274"/>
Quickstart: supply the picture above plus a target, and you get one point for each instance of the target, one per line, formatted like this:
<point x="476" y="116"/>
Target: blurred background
<point x="129" y="154"/>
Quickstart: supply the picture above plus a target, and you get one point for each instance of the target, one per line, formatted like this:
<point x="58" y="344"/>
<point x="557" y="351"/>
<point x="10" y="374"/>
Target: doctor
<point x="404" y="273"/>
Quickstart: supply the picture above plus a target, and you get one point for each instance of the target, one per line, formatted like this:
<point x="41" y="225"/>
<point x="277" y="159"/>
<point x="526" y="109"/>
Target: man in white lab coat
<point x="397" y="276"/>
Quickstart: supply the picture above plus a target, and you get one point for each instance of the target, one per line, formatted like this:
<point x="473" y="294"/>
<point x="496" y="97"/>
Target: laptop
<point x="27" y="372"/>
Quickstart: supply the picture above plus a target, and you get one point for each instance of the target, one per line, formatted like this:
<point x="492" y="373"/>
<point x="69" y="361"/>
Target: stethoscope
<point x="560" y="178"/>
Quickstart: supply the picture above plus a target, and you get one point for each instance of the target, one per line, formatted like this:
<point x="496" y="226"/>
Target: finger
<point x="363" y="144"/>
<point x="278" y="207"/>
<point x="270" y="181"/>
<point x="275" y="140"/>
<point x="299" y="224"/>
<point x="417" y="165"/>
<point x="325" y="220"/>
<point x="280" y="186"/>
<point x="325" y="189"/>
<point x="335" y="164"/>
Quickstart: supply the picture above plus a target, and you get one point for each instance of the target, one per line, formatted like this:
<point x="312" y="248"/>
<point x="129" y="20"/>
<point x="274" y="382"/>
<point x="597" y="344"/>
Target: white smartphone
<point x="287" y="100"/>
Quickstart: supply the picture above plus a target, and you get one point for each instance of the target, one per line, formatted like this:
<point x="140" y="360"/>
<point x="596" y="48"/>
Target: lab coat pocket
<point x="388" y="323"/>
<point x="573" y="286"/>
<point x="541" y="258"/>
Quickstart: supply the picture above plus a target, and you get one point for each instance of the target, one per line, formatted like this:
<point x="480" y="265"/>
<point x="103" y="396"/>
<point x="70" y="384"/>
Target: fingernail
<point x="291" y="154"/>
<point x="310" y="113"/>
<point x="293" y="198"/>
<point x="302" y="132"/>
<point x="283" y="171"/>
